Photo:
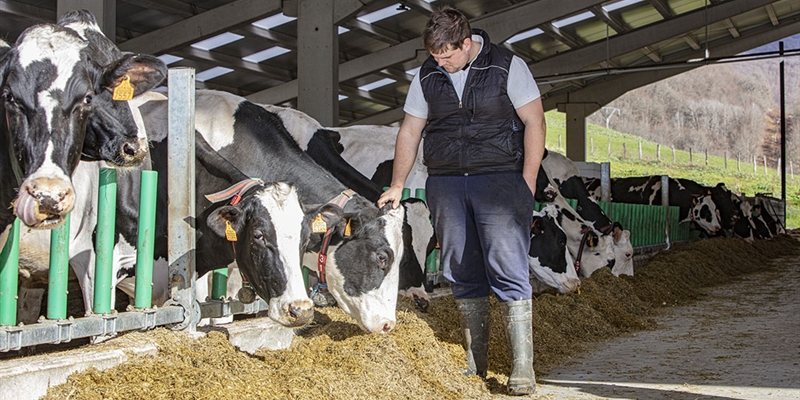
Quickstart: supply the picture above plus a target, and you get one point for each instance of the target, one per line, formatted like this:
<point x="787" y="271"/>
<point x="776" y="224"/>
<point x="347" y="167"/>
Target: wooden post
<point x="724" y="160"/>
<point x="673" y="154"/>
<point x="755" y="165"/>
<point x="690" y="156"/>
<point x="624" y="150"/>
<point x="738" y="162"/>
<point x="591" y="143"/>
<point x="658" y="152"/>
<point x="706" y="151"/>
<point x="764" y="158"/>
<point x="640" y="149"/>
<point x="791" y="170"/>
<point x="559" y="142"/>
<point x="609" y="147"/>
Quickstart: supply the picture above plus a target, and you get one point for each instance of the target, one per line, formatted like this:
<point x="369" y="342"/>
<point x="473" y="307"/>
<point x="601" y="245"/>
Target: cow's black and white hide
<point x="324" y="147"/>
<point x="55" y="86"/>
<point x="592" y="249"/>
<point x="549" y="260"/>
<point x="362" y="269"/>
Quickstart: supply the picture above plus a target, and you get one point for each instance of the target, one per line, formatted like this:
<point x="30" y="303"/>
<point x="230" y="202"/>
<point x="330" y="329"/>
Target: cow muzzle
<point x="43" y="203"/>
<point x="132" y="154"/>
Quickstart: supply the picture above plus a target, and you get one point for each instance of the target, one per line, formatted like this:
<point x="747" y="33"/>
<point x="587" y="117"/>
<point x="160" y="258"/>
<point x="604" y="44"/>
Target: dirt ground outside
<point x="741" y="342"/>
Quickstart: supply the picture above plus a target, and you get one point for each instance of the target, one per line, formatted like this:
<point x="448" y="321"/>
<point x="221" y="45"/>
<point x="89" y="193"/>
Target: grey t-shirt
<point x="521" y="86"/>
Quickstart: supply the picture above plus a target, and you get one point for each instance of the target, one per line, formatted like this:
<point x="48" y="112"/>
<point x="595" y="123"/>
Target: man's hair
<point x="446" y="27"/>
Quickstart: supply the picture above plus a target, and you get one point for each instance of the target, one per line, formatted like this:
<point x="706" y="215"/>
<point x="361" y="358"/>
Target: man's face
<point x="452" y="59"/>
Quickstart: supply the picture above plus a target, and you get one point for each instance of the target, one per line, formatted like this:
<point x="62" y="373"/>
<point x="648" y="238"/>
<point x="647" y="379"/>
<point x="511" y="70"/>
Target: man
<point x="484" y="130"/>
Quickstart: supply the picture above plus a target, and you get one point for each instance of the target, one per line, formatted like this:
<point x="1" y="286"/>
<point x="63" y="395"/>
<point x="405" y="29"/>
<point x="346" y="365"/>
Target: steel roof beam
<point x="173" y="7"/>
<point x="663" y="8"/>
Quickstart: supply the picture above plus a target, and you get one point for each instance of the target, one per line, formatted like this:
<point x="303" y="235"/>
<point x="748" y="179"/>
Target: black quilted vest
<point x="480" y="134"/>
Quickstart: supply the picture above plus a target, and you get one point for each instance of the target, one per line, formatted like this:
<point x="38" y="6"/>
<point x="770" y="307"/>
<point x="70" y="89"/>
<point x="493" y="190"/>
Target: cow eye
<point x="87" y="99"/>
<point x="257" y="235"/>
<point x="7" y="96"/>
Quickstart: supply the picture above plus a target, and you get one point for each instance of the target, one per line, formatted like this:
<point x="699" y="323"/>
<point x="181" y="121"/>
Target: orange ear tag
<point x="319" y="226"/>
<point x="123" y="91"/>
<point x="230" y="234"/>
<point x="347" y="228"/>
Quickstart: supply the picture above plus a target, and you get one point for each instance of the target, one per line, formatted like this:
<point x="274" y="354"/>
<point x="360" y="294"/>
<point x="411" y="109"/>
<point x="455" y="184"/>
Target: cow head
<point x="594" y="250"/>
<point x="623" y="251"/>
<point x="549" y="260"/>
<point x="268" y="243"/>
<point x="363" y="270"/>
<point x="705" y="215"/>
<point x="51" y="87"/>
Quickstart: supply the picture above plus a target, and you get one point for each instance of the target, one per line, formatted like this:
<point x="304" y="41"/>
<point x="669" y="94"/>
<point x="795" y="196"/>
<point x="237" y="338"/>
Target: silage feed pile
<point x="422" y="357"/>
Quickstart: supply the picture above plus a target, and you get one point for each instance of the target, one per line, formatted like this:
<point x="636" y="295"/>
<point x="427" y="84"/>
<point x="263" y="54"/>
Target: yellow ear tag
<point x="319" y="226"/>
<point x="230" y="234"/>
<point x="123" y="91"/>
<point x="347" y="228"/>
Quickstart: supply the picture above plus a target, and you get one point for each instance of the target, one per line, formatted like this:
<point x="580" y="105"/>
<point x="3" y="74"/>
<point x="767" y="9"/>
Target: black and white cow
<point x="693" y="200"/>
<point x="324" y="146"/>
<point x="55" y="86"/>
<point x="549" y="260"/>
<point x="565" y="176"/>
<point x="362" y="268"/>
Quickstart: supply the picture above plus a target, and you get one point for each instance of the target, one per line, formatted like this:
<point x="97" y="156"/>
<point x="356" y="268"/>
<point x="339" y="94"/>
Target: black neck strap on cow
<point x="322" y="257"/>
<point x="585" y="234"/>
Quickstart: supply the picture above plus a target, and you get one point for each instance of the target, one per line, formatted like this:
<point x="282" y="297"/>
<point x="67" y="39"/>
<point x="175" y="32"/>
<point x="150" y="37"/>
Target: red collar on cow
<point x="322" y="257"/>
<point x="234" y="192"/>
<point x="585" y="233"/>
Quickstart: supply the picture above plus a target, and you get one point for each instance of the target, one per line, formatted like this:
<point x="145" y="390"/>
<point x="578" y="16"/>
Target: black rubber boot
<point x="475" y="328"/>
<point x="517" y="318"/>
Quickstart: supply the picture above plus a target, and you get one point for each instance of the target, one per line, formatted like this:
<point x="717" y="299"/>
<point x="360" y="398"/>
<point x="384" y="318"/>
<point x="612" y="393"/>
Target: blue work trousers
<point x="483" y="225"/>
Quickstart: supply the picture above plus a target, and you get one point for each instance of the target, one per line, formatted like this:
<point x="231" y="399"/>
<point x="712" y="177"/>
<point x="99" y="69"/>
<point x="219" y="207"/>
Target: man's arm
<point x="405" y="152"/>
<point x="532" y="115"/>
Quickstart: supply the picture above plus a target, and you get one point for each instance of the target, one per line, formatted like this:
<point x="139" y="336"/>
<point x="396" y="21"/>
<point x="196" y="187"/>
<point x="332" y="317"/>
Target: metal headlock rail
<point x="182" y="311"/>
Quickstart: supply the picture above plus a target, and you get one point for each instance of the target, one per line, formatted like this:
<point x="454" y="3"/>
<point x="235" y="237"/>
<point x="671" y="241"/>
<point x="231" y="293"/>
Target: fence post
<point x="605" y="182"/>
<point x="690" y="157"/>
<point x="624" y="150"/>
<point x="640" y="150"/>
<point x="58" y="275"/>
<point x="738" y="162"/>
<point x="665" y="202"/>
<point x="658" y="152"/>
<point x="609" y="147"/>
<point x="673" y="155"/>
<point x="559" y="142"/>
<point x="778" y="168"/>
<point x="764" y="158"/>
<point x="791" y="170"/>
<point x="146" y="239"/>
<point x="755" y="165"/>
<point x="724" y="160"/>
<point x="706" y="152"/>
<point x="106" y="223"/>
<point x="180" y="180"/>
<point x="9" y="281"/>
<point x="591" y="142"/>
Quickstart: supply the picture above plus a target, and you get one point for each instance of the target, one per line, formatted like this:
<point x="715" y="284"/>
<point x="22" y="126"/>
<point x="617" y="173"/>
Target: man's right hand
<point x="392" y="194"/>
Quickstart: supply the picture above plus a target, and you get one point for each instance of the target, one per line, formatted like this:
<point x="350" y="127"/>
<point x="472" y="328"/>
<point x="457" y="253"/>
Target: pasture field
<point x="738" y="176"/>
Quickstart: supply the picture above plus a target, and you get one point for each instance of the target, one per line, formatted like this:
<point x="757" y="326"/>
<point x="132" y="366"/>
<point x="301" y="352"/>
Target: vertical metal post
<point x="782" y="160"/>
<point x="420" y="194"/>
<point x="104" y="243"/>
<point x="9" y="263"/>
<point x="219" y="283"/>
<point x="145" y="241"/>
<point x="406" y="194"/>
<point x="180" y="180"/>
<point x="59" y="272"/>
<point x="665" y="202"/>
<point x="605" y="182"/>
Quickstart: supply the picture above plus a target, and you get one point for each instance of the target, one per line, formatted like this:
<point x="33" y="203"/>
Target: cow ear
<point x="219" y="220"/>
<point x="617" y="233"/>
<point x="536" y="221"/>
<point x="592" y="240"/>
<point x="143" y="71"/>
<point x="331" y="214"/>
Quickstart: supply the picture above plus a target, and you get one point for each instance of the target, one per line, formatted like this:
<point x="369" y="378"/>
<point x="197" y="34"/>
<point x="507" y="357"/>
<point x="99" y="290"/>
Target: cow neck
<point x="322" y="257"/>
<point x="12" y="155"/>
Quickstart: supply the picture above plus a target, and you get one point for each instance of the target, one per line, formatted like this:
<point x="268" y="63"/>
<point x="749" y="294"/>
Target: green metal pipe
<point x="219" y="283"/>
<point x="59" y="272"/>
<point x="104" y="245"/>
<point x="9" y="263"/>
<point x="406" y="193"/>
<point x="145" y="241"/>
<point x="420" y="194"/>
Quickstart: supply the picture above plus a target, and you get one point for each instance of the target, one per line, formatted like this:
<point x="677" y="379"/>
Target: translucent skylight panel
<point x="343" y="30"/>
<point x="342" y="97"/>
<point x="377" y="84"/>
<point x="620" y="4"/>
<point x="273" y="21"/>
<point x="413" y="71"/>
<point x="212" y="73"/>
<point x="169" y="58"/>
<point x="217" y="41"/>
<point x="573" y="19"/>
<point x="524" y="35"/>
<point x="383" y="13"/>
<point x="266" y="54"/>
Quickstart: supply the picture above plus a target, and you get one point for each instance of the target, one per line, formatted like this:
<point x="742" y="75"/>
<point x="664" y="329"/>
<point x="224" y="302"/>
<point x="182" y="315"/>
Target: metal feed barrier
<point x="183" y="311"/>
